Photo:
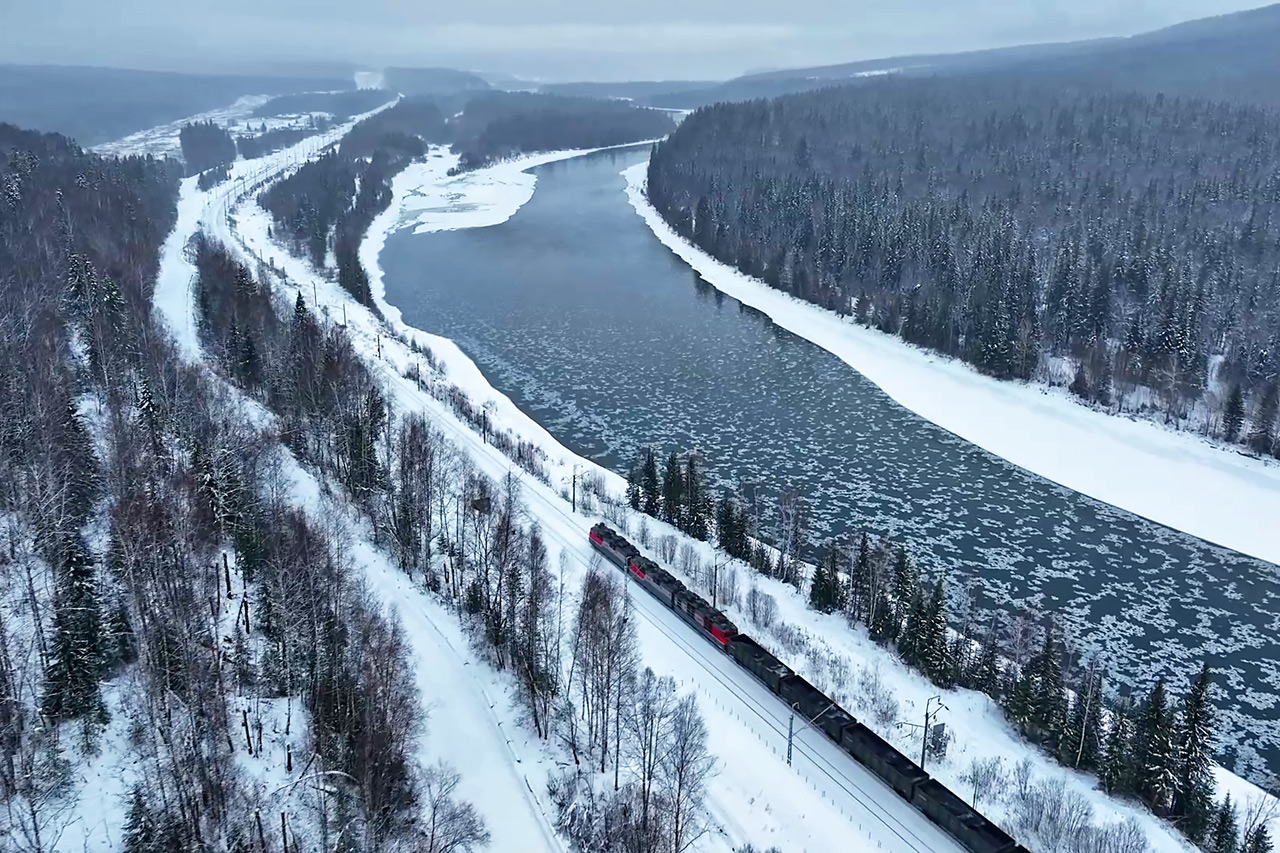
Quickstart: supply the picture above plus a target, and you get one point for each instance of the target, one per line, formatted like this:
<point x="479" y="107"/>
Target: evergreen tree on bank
<point x="1193" y="790"/>
<point x="75" y="660"/>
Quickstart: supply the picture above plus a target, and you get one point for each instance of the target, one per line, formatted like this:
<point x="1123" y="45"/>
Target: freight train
<point x="938" y="803"/>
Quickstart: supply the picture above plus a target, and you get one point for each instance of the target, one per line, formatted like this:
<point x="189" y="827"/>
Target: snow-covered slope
<point x="1175" y="479"/>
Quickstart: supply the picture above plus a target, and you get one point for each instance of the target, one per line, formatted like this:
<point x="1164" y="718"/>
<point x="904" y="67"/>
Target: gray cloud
<point x="565" y="39"/>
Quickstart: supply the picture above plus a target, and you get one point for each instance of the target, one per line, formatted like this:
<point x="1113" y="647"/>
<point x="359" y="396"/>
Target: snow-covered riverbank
<point x="1175" y="479"/>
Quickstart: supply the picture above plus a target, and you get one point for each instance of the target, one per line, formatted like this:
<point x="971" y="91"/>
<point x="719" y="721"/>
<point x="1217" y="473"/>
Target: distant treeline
<point x="253" y="147"/>
<point x="330" y="202"/>
<point x="341" y="105"/>
<point x="497" y="125"/>
<point x="1131" y="240"/>
<point x="206" y="145"/>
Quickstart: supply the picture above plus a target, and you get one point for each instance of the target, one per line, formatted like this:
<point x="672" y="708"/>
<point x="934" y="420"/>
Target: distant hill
<point x="636" y="91"/>
<point x="433" y="81"/>
<point x="95" y="105"/>
<point x="930" y="63"/>
<point x="1229" y="57"/>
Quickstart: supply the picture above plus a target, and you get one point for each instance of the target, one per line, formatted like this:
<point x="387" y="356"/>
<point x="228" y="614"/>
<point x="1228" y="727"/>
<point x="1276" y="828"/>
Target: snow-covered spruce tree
<point x="1193" y="798"/>
<point x="1080" y="383"/>
<point x="634" y="476"/>
<point x="824" y="585"/>
<point x="672" y="490"/>
<point x="935" y="651"/>
<point x="650" y="495"/>
<point x="1154" y="756"/>
<point x="1048" y="694"/>
<point x="697" y="499"/>
<point x="1223" y="831"/>
<point x="75" y="656"/>
<point x="1233" y="414"/>
<point x="1257" y="840"/>
<point x="906" y="590"/>
<point x="911" y="638"/>
<point x="1262" y="438"/>
<point x="986" y="675"/>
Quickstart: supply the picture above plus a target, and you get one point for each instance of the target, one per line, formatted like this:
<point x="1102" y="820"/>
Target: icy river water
<point x="586" y="321"/>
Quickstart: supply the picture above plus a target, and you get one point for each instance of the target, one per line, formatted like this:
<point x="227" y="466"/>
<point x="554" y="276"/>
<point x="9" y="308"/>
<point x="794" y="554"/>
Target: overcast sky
<point x="557" y="39"/>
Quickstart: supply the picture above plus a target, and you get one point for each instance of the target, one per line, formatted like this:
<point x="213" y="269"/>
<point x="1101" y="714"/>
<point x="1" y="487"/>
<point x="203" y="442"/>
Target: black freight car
<point x="874" y="752"/>
<point x="815" y="706"/>
<point x="757" y="660"/>
<point x="959" y="820"/>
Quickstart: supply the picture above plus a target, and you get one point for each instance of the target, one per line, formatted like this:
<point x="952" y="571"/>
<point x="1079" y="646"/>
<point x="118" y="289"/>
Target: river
<point x="577" y="312"/>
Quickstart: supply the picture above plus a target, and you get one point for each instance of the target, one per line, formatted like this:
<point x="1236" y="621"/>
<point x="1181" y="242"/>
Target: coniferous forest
<point x="206" y="145"/>
<point x="1124" y="245"/>
<point x="496" y="125"/>
<point x="126" y="479"/>
<point x="330" y="202"/>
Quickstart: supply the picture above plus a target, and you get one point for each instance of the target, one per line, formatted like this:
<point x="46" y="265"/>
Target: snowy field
<point x="238" y="119"/>
<point x="1175" y="479"/>
<point x="162" y="141"/>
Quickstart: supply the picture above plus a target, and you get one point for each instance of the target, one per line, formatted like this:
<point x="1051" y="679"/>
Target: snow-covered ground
<point x="238" y="119"/>
<point x="162" y="141"/>
<point x="1176" y="479"/>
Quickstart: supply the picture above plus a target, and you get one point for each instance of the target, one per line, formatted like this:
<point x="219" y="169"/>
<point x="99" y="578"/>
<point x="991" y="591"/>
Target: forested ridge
<point x="497" y="125"/>
<point x="330" y="202"/>
<point x="161" y="603"/>
<point x="1127" y="245"/>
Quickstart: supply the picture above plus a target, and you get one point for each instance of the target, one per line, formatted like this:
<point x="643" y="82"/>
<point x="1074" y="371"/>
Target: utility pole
<point x="715" y="576"/>
<point x="791" y="725"/>
<point x="574" y="489"/>
<point x="924" y="741"/>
